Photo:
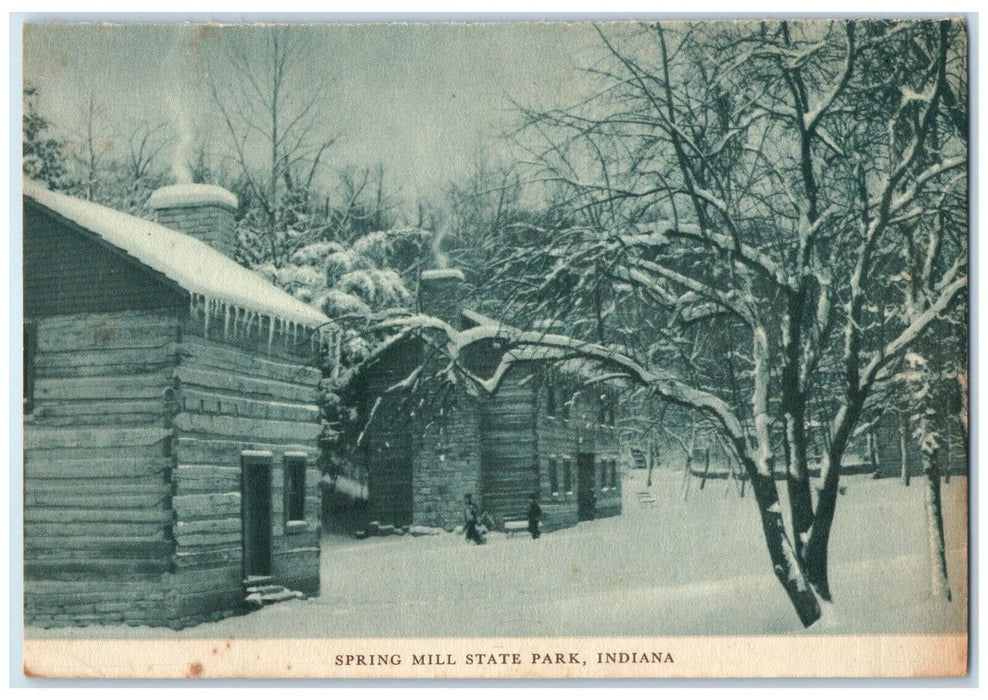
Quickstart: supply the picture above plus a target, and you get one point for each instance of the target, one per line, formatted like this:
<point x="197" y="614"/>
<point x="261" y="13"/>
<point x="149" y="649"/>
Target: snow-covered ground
<point x="668" y="568"/>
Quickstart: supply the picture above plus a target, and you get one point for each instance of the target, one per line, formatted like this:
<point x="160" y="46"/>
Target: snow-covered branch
<point x="911" y="332"/>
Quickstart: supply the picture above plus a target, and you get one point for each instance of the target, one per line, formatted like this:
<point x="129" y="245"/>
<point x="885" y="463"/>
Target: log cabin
<point x="417" y="453"/>
<point x="543" y="430"/>
<point x="171" y="427"/>
<point x="548" y="428"/>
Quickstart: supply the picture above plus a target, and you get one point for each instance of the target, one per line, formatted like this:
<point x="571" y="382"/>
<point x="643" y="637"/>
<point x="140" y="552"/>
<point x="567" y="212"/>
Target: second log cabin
<point x="542" y="430"/>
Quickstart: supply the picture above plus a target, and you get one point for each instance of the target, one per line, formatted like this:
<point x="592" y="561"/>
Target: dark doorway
<point x="586" y="498"/>
<point x="255" y="481"/>
<point x="391" y="491"/>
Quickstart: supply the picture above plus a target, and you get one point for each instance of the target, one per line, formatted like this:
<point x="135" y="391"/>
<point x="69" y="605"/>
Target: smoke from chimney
<point x="176" y="68"/>
<point x="441" y="259"/>
<point x="183" y="145"/>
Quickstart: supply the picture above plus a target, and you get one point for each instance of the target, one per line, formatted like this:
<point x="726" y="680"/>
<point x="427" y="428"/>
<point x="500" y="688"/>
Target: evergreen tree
<point x="43" y="158"/>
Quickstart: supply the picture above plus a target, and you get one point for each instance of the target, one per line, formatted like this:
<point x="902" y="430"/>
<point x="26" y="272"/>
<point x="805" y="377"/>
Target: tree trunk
<point x="794" y="413"/>
<point x="903" y="452"/>
<point x="801" y="508"/>
<point x="946" y="452"/>
<point x="706" y="468"/>
<point x="871" y="443"/>
<point x="940" y="588"/>
<point x="816" y="552"/>
<point x="650" y="463"/>
<point x="687" y="476"/>
<point x="785" y="563"/>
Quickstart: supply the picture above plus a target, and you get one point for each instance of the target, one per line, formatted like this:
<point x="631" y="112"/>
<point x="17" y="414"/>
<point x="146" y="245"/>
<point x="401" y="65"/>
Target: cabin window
<point x="550" y="400"/>
<point x="568" y="476"/>
<point x="566" y="408"/>
<point x="603" y="475"/>
<point x="553" y="477"/>
<point x="30" y="351"/>
<point x="294" y="467"/>
<point x="613" y="474"/>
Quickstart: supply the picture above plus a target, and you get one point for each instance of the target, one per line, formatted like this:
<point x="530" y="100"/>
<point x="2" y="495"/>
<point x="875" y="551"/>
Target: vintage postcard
<point x="496" y="350"/>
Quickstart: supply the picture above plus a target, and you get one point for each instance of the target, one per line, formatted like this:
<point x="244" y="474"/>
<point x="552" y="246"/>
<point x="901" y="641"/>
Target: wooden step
<point x="284" y="594"/>
<point x="260" y="595"/>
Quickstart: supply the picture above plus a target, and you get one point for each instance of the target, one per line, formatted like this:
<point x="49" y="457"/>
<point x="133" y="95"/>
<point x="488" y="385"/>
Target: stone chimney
<point x="205" y="212"/>
<point x="441" y="294"/>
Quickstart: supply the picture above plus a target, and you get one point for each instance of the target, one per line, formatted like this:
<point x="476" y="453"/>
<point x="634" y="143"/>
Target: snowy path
<point x="698" y="567"/>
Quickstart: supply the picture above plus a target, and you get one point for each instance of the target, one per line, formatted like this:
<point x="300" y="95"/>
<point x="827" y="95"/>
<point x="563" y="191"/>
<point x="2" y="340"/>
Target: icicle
<point x="205" y="319"/>
<point x="270" y="332"/>
<point x="226" y="320"/>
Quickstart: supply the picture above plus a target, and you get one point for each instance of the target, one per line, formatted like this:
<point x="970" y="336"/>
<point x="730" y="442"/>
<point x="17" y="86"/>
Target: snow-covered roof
<point x="188" y="195"/>
<point x="195" y="266"/>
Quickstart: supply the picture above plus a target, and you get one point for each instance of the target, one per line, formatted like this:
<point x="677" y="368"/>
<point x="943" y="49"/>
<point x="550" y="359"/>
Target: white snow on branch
<point x="910" y="95"/>
<point x="548" y="346"/>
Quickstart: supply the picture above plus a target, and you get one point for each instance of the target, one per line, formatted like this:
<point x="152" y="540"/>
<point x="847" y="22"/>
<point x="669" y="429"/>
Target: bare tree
<point x="90" y="144"/>
<point x="277" y="144"/>
<point x="752" y="186"/>
<point x="141" y="168"/>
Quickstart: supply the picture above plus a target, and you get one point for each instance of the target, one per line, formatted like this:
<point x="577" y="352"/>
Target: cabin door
<point x="256" y="514"/>
<point x="391" y="489"/>
<point x="586" y="498"/>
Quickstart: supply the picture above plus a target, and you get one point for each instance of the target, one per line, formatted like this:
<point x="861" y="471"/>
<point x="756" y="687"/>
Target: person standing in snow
<point x="534" y="513"/>
<point x="470" y="518"/>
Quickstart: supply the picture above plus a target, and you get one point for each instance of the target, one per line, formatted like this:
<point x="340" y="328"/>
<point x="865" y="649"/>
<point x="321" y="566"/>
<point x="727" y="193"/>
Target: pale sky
<point x="416" y="97"/>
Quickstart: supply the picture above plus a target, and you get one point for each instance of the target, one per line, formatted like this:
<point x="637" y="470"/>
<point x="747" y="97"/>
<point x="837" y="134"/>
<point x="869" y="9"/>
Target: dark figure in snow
<point x="534" y="513"/>
<point x="470" y="520"/>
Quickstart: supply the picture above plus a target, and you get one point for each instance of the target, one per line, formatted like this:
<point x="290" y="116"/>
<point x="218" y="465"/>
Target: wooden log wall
<point x="389" y="443"/>
<point x="561" y="440"/>
<point x="97" y="470"/>
<point x="603" y="440"/>
<point x="229" y="400"/>
<point x="509" y="451"/>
